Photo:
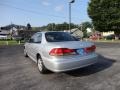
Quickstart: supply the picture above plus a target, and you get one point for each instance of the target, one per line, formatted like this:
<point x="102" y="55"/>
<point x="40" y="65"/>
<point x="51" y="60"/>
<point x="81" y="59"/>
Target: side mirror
<point x="30" y="40"/>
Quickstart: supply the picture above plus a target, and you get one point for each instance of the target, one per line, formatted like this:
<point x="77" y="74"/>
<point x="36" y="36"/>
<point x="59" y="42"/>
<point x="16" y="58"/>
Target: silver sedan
<point x="59" y="51"/>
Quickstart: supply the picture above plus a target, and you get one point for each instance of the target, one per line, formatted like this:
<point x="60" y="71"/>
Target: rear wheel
<point x="40" y="65"/>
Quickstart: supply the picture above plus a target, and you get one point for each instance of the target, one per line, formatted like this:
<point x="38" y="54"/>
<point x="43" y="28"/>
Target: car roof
<point x="49" y="31"/>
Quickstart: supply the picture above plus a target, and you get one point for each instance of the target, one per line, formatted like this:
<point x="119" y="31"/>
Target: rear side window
<point x="59" y="37"/>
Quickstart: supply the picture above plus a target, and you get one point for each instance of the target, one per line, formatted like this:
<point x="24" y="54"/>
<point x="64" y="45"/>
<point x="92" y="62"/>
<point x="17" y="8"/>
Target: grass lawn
<point x="11" y="42"/>
<point x="14" y="42"/>
<point x="111" y="41"/>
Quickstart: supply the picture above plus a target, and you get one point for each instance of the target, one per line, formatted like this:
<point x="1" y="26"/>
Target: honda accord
<point x="59" y="51"/>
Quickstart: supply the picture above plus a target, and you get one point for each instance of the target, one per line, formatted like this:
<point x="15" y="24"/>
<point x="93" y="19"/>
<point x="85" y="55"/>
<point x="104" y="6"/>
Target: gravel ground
<point x="20" y="73"/>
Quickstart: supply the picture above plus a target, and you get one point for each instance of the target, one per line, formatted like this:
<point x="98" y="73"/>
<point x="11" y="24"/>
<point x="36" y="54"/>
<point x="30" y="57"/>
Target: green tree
<point x="84" y="27"/>
<point x="29" y="26"/>
<point x="105" y="15"/>
<point x="58" y="27"/>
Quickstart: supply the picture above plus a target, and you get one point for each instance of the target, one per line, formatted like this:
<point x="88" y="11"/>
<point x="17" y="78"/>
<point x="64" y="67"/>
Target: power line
<point x="31" y="11"/>
<point x="37" y="13"/>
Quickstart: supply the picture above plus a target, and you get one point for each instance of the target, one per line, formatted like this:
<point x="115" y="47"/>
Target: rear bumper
<point x="66" y="65"/>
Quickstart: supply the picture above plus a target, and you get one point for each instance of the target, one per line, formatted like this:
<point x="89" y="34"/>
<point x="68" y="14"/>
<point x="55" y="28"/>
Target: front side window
<point x="39" y="38"/>
<point x="59" y="37"/>
<point x="36" y="38"/>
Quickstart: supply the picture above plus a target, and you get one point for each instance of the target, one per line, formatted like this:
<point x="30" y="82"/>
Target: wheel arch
<point x="38" y="55"/>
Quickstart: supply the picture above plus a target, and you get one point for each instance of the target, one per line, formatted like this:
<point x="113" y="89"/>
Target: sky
<point x="41" y="12"/>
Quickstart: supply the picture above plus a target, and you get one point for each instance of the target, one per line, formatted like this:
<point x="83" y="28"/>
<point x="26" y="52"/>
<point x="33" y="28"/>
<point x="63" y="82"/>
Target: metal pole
<point x="70" y="17"/>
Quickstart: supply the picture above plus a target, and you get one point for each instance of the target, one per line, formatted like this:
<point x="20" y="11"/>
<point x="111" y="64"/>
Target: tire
<point x="25" y="53"/>
<point x="42" y="69"/>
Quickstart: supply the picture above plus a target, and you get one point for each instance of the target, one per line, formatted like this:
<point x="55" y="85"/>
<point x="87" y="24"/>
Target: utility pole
<point x="11" y="30"/>
<point x="70" y="17"/>
<point x="70" y="2"/>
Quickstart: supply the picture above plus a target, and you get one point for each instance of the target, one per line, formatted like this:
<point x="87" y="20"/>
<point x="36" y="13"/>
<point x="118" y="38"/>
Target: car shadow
<point x="102" y="64"/>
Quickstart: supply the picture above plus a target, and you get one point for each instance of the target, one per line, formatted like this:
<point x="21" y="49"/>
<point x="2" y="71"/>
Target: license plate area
<point x="80" y="51"/>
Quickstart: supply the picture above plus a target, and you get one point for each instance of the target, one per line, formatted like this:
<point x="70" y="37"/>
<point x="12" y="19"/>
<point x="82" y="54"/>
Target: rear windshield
<point x="59" y="37"/>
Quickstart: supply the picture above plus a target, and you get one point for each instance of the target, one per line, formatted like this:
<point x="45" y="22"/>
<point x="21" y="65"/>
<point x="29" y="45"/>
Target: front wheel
<point x="41" y="66"/>
<point x="25" y="53"/>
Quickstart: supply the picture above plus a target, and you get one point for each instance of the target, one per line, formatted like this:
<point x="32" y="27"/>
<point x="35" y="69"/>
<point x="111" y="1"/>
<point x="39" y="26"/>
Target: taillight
<point x="90" y="49"/>
<point x="61" y="51"/>
<point x="93" y="47"/>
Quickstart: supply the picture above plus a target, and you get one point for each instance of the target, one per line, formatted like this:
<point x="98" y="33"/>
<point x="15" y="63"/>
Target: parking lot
<point x="20" y="73"/>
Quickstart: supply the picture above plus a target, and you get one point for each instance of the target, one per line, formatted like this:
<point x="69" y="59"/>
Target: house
<point x="4" y="34"/>
<point x="14" y="31"/>
<point x="3" y="37"/>
<point x="89" y="30"/>
<point x="104" y="34"/>
<point x="11" y="30"/>
<point x="75" y="32"/>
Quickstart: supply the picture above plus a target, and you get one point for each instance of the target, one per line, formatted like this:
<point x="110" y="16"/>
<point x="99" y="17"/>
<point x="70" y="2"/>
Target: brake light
<point x="93" y="47"/>
<point x="90" y="49"/>
<point x="61" y="51"/>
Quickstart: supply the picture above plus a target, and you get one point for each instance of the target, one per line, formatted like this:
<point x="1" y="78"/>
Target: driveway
<point x="20" y="73"/>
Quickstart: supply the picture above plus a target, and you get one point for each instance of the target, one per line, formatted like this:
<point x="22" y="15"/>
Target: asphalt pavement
<point x="20" y="73"/>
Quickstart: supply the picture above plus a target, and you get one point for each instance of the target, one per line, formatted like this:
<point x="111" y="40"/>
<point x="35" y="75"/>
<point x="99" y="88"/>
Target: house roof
<point x="8" y="27"/>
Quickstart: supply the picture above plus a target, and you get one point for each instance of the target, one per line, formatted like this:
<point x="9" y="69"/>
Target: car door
<point x="34" y="47"/>
<point x="29" y="45"/>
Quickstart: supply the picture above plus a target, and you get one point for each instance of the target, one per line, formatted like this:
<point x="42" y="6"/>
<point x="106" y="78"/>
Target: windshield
<point x="59" y="37"/>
